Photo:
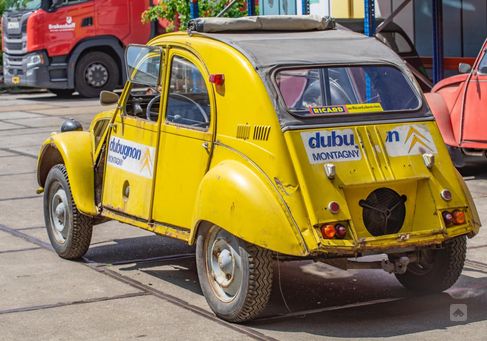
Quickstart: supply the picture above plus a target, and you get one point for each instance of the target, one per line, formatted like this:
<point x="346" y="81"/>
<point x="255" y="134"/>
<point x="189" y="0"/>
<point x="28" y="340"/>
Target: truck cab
<point x="70" y="45"/>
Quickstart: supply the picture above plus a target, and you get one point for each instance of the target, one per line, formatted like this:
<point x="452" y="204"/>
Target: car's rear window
<point x="346" y="90"/>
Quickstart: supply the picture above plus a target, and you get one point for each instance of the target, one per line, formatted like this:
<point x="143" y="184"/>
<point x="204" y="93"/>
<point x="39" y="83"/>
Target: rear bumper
<point x="26" y="70"/>
<point x="395" y="243"/>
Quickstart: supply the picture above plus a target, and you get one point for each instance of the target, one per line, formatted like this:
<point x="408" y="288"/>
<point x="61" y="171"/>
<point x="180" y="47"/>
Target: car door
<point x="187" y="135"/>
<point x="134" y="139"/>
<point x="475" y="112"/>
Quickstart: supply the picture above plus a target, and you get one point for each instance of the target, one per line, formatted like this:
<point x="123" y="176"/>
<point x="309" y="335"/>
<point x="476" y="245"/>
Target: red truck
<point x="71" y="45"/>
<point x="459" y="104"/>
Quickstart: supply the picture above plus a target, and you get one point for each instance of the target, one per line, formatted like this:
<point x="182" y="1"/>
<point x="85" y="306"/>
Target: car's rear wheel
<point x="235" y="276"/>
<point x="69" y="231"/>
<point x="436" y="270"/>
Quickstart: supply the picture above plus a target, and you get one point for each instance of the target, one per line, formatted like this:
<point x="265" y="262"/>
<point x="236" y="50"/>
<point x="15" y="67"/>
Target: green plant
<point x="177" y="12"/>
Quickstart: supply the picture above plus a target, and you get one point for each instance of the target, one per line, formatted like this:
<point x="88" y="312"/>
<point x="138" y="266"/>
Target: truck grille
<point x="383" y="212"/>
<point x="13" y="46"/>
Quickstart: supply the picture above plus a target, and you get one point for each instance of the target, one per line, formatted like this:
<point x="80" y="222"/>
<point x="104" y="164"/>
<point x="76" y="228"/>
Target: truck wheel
<point x="62" y="93"/>
<point x="436" y="270"/>
<point x="68" y="229"/>
<point x="235" y="277"/>
<point x="95" y="71"/>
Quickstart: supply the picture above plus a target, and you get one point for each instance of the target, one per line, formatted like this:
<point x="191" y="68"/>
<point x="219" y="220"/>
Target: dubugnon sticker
<point x="131" y="157"/>
<point x="331" y="146"/>
<point x="409" y="140"/>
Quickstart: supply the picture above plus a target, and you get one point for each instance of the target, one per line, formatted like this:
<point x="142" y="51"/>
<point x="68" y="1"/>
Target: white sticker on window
<point x="132" y="157"/>
<point x="409" y="140"/>
<point x="331" y="146"/>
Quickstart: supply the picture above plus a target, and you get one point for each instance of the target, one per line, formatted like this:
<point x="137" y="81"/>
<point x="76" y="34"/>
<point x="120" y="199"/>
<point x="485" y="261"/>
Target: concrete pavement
<point x="135" y="285"/>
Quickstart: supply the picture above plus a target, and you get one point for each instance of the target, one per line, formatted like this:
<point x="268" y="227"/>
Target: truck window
<point x="188" y="103"/>
<point x="347" y="89"/>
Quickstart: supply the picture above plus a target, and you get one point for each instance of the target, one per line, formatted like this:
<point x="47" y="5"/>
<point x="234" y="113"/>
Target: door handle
<point x="206" y="145"/>
<point x="113" y="126"/>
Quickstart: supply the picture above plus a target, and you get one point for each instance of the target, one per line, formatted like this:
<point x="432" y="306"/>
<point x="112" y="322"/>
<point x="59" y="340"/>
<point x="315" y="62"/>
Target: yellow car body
<point x="247" y="175"/>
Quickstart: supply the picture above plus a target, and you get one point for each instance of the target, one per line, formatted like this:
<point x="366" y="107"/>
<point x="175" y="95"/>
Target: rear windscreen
<point x="346" y="90"/>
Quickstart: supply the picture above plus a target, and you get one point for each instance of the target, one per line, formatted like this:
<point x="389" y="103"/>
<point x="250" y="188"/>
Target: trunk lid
<point x="377" y="167"/>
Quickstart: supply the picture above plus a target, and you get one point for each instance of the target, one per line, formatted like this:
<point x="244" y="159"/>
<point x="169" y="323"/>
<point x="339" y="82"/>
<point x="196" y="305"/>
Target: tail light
<point x="456" y="217"/>
<point x="330" y="231"/>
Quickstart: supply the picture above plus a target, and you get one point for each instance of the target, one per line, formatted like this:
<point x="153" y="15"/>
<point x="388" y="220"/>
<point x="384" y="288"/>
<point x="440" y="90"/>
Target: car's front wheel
<point x="235" y="276"/>
<point x="69" y="231"/>
<point x="436" y="270"/>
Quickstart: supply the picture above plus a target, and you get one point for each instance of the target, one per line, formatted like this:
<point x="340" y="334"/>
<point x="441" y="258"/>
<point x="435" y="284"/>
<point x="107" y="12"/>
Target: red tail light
<point x="458" y="217"/>
<point x="328" y="231"/>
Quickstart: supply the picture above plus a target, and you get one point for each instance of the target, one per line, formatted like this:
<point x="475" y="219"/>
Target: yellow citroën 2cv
<point x="261" y="137"/>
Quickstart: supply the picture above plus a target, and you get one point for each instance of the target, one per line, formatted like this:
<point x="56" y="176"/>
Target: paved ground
<point x="134" y="285"/>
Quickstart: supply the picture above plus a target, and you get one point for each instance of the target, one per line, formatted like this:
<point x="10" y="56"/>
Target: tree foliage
<point x="177" y="12"/>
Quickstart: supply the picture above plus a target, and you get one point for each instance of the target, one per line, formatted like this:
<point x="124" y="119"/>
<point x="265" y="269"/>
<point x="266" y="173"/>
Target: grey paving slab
<point x="32" y="151"/>
<point x="146" y="318"/>
<point x="26" y="107"/>
<point x="11" y="189"/>
<point x="15" y="115"/>
<point x="40" y="277"/>
<point x="8" y="126"/>
<point x="10" y="243"/>
<point x="25" y="137"/>
<point x="38" y="122"/>
<point x="16" y="164"/>
<point x="22" y="213"/>
<point x="73" y="110"/>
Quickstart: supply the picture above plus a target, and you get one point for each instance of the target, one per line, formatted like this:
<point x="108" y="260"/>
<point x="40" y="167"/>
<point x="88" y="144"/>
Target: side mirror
<point x="108" y="98"/>
<point x="464" y="68"/>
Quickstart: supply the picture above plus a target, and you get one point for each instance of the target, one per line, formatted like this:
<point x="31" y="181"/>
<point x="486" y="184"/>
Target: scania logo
<point x="332" y="140"/>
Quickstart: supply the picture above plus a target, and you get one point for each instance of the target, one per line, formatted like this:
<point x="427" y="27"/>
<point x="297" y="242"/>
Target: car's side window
<point x="483" y="65"/>
<point x="144" y="98"/>
<point x="188" y="103"/>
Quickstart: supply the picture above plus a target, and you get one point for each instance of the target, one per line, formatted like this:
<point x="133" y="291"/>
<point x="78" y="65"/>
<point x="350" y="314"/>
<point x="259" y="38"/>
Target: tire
<point x="96" y="71"/>
<point x="238" y="290"/>
<point x="62" y="93"/>
<point x="437" y="270"/>
<point x="69" y="231"/>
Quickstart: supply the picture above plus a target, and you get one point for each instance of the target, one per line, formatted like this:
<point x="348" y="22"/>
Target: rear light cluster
<point x="330" y="231"/>
<point x="456" y="217"/>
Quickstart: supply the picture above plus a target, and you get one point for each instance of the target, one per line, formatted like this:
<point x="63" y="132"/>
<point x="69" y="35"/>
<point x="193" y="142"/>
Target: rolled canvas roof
<point x="263" y="23"/>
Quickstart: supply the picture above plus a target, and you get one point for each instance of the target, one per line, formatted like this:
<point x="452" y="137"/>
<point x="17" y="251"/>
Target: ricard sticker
<point x="131" y="157"/>
<point x="409" y="140"/>
<point x="331" y="146"/>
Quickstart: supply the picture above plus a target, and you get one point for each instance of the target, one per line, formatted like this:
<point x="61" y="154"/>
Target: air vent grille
<point x="243" y="131"/>
<point x="262" y="133"/>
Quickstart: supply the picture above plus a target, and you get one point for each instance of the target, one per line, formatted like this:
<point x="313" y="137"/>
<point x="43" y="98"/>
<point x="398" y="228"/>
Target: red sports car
<point x="459" y="104"/>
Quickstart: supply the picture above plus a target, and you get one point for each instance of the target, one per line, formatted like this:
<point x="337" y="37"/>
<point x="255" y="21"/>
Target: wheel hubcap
<point x="224" y="264"/>
<point x="59" y="214"/>
<point x="96" y="75"/>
